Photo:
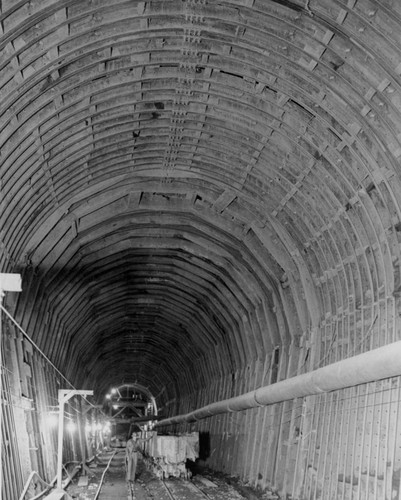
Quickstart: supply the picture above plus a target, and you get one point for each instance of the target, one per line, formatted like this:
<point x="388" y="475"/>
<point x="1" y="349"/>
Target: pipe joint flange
<point x="256" y="399"/>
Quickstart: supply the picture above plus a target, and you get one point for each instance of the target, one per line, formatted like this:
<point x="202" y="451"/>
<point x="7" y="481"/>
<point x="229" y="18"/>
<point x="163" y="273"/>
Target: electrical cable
<point x="39" y="350"/>
<point x="104" y="472"/>
<point x="28" y="481"/>
<point x="33" y="344"/>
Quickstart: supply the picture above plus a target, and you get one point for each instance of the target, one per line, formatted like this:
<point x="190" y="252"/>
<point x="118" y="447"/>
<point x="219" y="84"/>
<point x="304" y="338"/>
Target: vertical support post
<point x="63" y="396"/>
<point x="82" y="440"/>
<point x="61" y="400"/>
<point x="81" y="435"/>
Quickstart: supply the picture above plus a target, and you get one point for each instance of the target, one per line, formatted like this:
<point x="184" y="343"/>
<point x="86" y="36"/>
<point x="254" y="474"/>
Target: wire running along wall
<point x="12" y="477"/>
<point x="29" y="399"/>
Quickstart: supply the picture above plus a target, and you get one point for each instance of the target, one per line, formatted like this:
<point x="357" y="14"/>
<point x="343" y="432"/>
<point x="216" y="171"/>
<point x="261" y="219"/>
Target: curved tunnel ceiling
<point x="188" y="184"/>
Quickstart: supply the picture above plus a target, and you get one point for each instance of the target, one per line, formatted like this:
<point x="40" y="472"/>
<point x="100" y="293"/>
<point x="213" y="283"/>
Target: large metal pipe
<point x="377" y="364"/>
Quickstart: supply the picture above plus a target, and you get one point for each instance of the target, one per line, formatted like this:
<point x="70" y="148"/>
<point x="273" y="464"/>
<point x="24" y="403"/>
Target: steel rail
<point x="168" y="490"/>
<point x="193" y="485"/>
<point x="200" y="490"/>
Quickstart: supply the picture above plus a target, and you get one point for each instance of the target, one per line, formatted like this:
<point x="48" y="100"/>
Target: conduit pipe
<point x="48" y="486"/>
<point x="377" y="364"/>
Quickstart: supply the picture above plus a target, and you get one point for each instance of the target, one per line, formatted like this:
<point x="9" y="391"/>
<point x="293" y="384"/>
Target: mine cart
<point x="167" y="456"/>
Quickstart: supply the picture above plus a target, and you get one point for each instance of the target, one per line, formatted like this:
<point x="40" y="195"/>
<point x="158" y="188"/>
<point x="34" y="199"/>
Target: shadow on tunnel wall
<point x="204" y="445"/>
<point x="198" y="466"/>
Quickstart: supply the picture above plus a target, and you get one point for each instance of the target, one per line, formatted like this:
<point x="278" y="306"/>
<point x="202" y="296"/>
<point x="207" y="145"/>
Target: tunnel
<point x="200" y="202"/>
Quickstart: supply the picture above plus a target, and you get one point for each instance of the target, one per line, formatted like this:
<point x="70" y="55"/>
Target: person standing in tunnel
<point x="133" y="448"/>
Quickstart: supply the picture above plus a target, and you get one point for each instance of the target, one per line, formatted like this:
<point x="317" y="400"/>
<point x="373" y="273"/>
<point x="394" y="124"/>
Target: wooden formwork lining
<point x="261" y="141"/>
<point x="337" y="444"/>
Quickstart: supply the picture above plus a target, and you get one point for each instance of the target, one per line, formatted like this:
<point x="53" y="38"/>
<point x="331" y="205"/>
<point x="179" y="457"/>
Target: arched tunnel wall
<point x="203" y="198"/>
<point x="307" y="446"/>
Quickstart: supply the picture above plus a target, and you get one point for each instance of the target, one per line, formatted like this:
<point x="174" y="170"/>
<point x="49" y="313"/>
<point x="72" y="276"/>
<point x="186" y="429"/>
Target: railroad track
<point x="149" y="487"/>
<point x="184" y="489"/>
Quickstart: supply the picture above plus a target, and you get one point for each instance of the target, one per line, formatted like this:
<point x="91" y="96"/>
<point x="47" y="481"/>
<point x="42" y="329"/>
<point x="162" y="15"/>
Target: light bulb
<point x="51" y="420"/>
<point x="71" y="426"/>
